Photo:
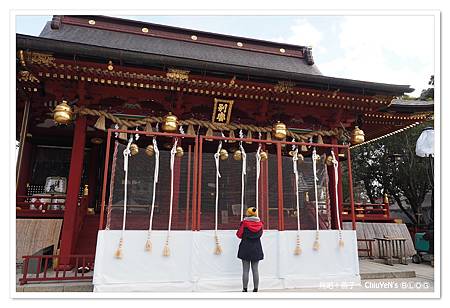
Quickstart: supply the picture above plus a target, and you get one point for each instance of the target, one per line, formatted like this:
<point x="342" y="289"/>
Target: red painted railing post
<point x="25" y="271"/>
<point x="350" y="189"/>
<point x="188" y="187"/>
<point x="280" y="188"/>
<point x="199" y="175"/>
<point x="195" y="186"/>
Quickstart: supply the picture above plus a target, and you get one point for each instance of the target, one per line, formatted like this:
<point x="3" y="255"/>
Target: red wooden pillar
<point x="24" y="170"/>
<point x="332" y="189"/>
<point x="22" y="165"/>
<point x="68" y="236"/>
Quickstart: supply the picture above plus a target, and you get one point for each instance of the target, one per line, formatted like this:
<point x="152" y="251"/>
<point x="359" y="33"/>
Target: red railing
<point x="367" y="212"/>
<point x="50" y="206"/>
<point x="45" y="268"/>
<point x="196" y="195"/>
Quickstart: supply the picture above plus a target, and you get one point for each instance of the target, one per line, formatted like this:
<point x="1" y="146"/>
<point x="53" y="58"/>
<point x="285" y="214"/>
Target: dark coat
<point x="250" y="231"/>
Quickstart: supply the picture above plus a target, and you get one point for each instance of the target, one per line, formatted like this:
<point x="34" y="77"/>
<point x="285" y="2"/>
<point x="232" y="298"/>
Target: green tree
<point x="391" y="166"/>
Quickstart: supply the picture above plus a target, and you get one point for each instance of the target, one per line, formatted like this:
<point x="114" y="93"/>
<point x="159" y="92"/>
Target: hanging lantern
<point x="134" y="149"/>
<point x="180" y="152"/>
<point x="223" y="154"/>
<point x="63" y="113"/>
<point x="150" y="150"/>
<point x="264" y="155"/>
<point x="170" y="123"/>
<point x="357" y="136"/>
<point x="237" y="155"/>
<point x="279" y="130"/>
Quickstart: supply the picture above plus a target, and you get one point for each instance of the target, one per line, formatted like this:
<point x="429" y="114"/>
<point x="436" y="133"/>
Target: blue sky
<point x="388" y="49"/>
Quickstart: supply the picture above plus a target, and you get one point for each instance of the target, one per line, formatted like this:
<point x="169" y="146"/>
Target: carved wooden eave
<point x="47" y="67"/>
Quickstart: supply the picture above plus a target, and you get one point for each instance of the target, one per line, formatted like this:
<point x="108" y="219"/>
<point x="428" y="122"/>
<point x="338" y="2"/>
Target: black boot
<point x="244" y="290"/>
<point x="255" y="290"/>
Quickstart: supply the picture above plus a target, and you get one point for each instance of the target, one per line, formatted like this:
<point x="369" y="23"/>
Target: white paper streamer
<point x="258" y="172"/>
<point x="155" y="181"/>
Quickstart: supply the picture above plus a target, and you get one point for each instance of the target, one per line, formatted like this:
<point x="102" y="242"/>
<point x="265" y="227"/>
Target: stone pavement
<point x="375" y="277"/>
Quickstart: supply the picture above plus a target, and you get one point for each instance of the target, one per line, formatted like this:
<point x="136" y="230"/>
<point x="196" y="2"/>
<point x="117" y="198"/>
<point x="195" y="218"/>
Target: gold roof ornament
<point x="110" y="66"/>
<point x="63" y="113"/>
<point x="357" y="136"/>
<point x="177" y="74"/>
<point x="284" y="86"/>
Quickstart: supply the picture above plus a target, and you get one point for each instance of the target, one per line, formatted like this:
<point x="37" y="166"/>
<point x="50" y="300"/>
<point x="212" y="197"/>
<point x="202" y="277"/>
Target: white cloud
<point x="387" y="49"/>
<point x="305" y="34"/>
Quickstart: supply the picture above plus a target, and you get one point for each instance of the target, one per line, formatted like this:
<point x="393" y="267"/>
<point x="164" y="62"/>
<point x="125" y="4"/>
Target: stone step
<point x="369" y="269"/>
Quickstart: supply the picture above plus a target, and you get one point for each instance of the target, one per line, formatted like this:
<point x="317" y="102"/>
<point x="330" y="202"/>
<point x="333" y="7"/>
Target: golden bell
<point x="223" y="154"/>
<point x="237" y="155"/>
<point x="150" y="150"/>
<point x="170" y="123"/>
<point x="134" y="149"/>
<point x="63" y="113"/>
<point x="357" y="136"/>
<point x="279" y="130"/>
<point x="86" y="190"/>
<point x="329" y="160"/>
<point x="180" y="152"/>
<point x="264" y="155"/>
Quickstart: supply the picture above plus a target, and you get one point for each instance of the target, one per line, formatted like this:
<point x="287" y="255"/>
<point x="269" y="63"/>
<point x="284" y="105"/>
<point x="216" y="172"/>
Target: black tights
<point x="245" y="272"/>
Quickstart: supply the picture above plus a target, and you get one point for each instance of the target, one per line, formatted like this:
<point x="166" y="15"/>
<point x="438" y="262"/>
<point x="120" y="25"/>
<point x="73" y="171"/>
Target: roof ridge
<point x="148" y="29"/>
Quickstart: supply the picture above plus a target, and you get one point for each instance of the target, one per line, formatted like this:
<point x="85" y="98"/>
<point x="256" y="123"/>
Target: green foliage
<point x="391" y="166"/>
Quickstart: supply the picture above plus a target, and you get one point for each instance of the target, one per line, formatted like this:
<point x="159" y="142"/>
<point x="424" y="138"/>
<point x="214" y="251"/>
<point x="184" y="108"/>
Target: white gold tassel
<point x="218" y="249"/>
<point x="126" y="155"/>
<point x="148" y="244"/>
<point x="316" y="245"/>
<point x="258" y="172"/>
<point x="336" y="174"/>
<point x="166" y="251"/>
<point x="298" y="249"/>
<point x="243" y="173"/>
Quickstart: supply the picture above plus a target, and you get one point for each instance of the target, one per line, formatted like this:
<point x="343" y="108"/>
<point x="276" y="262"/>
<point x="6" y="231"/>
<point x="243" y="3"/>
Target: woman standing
<point x="250" y="249"/>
